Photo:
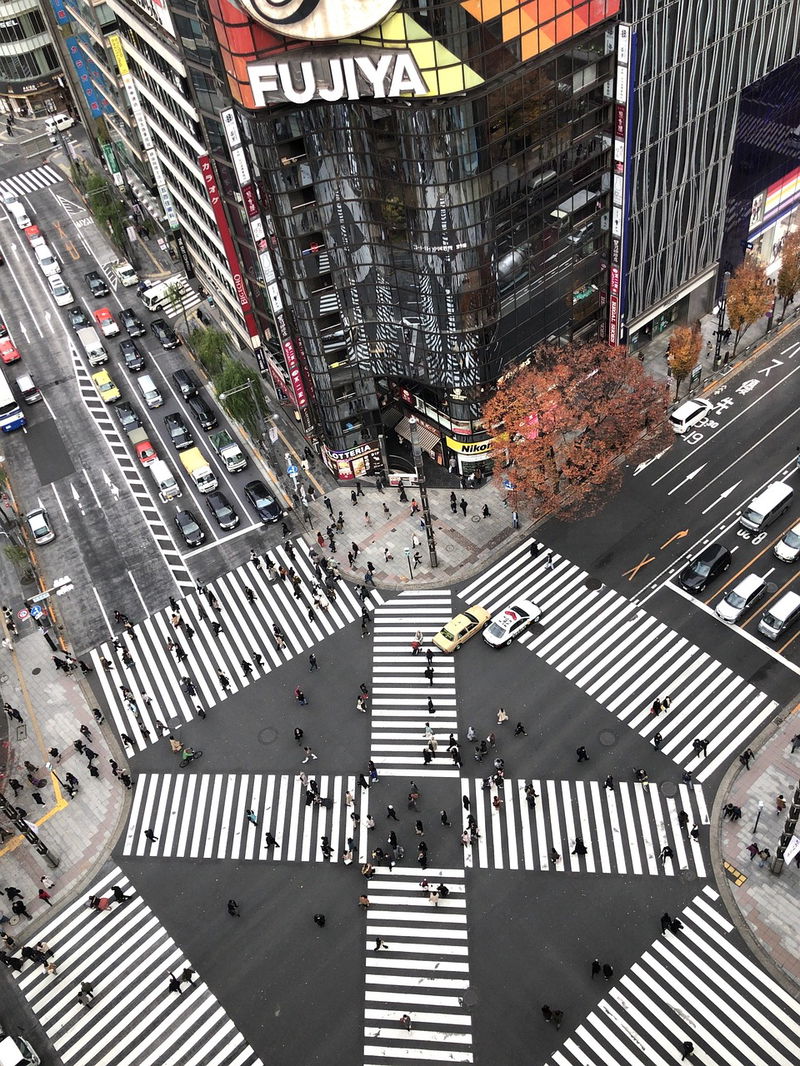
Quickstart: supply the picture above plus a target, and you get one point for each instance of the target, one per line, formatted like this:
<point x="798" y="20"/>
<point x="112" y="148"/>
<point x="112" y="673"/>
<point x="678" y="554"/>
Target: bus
<point x="11" y="417"/>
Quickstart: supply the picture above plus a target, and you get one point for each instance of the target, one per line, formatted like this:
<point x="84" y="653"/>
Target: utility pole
<point x="723" y="300"/>
<point x="416" y="452"/>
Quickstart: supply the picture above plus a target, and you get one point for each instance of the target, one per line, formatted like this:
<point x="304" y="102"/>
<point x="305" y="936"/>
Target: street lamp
<point x="723" y="300"/>
<point x="758" y="816"/>
<point x="416" y="453"/>
<point x="259" y="404"/>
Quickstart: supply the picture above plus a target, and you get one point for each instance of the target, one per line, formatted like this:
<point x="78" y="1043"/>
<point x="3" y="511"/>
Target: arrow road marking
<point x="688" y="477"/>
<point x="675" y="536"/>
<point x="722" y="496"/>
<point x="76" y="497"/>
<point x="647" y="462"/>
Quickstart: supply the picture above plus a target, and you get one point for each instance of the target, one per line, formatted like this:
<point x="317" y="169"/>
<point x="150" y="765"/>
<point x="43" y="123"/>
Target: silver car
<point x="39" y="526"/>
<point x="741" y="598"/>
<point x="509" y="623"/>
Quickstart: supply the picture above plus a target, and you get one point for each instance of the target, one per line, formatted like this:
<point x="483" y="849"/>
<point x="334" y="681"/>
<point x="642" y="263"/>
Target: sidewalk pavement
<point x="764" y="905"/>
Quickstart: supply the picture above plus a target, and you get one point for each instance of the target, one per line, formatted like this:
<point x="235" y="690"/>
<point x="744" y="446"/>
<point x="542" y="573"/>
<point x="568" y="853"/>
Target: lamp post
<point x="416" y="452"/>
<point x="758" y="816"/>
<point x="723" y="300"/>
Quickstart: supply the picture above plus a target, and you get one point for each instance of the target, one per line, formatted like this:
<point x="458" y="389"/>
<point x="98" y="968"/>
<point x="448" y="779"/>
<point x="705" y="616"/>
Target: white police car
<point x="510" y="622"/>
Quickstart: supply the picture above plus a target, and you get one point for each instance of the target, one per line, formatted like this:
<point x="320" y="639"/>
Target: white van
<point x="159" y="296"/>
<point x="689" y="414"/>
<point x="780" y="616"/>
<point x="774" y="501"/>
<point x="16" y="1051"/>
<point x="168" y="488"/>
<point x="92" y="346"/>
<point x="150" y="394"/>
<point x="58" y="122"/>
<point x="28" y="389"/>
<point x="19" y="213"/>
<point x="47" y="261"/>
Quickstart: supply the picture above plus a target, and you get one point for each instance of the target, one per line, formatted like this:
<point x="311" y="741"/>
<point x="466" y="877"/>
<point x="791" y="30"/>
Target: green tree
<point x="788" y="280"/>
<point x="106" y="206"/>
<point x="750" y="296"/>
<point x="175" y="297"/>
<point x="684" y="350"/>
<point x="565" y="420"/>
<point x="16" y="555"/>
<point x="248" y="406"/>
<point x="211" y="348"/>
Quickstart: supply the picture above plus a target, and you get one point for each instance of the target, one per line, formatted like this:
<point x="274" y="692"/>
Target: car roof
<point x="711" y="551"/>
<point x="748" y="583"/>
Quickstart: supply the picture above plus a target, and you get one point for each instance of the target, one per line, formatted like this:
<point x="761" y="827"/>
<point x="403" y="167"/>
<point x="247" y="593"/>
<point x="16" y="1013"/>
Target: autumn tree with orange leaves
<point x="684" y="351"/>
<point x="750" y="296"/>
<point x="564" y="421"/>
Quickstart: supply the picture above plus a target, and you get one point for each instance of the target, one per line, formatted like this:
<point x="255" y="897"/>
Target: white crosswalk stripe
<point x="126" y="954"/>
<point x="624" y="830"/>
<point x="625" y="658"/>
<point x="695" y="986"/>
<point x="403" y="699"/>
<point x="247" y="629"/>
<point x="422" y="972"/>
<point x="31" y="180"/>
<point x="204" y="816"/>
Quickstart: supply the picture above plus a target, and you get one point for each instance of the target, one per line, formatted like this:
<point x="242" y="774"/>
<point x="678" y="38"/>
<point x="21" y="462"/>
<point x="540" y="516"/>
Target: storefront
<point x="361" y="461"/>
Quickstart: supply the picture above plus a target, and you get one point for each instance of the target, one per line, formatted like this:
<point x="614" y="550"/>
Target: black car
<point x="78" y="318"/>
<point x="202" y="412"/>
<point x="134" y="359"/>
<point x="128" y="418"/>
<point x="132" y="325"/>
<point x="186" y="383"/>
<point x="262" y="503"/>
<point x="189" y="528"/>
<point x="223" y="512"/>
<point x="164" y="333"/>
<point x="97" y="284"/>
<point x="179" y="433"/>
<point x="712" y="561"/>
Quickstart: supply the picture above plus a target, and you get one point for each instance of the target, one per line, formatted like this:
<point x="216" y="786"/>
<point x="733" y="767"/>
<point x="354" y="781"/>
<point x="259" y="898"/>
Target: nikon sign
<point x="318" y="20"/>
<point x="372" y="73"/>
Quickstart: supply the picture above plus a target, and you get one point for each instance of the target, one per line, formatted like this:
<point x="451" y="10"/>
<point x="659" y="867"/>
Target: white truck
<point x="168" y="295"/>
<point x="196" y="466"/>
<point x="168" y="488"/>
<point x="92" y="346"/>
<point x="228" y="450"/>
<point x="124" y="272"/>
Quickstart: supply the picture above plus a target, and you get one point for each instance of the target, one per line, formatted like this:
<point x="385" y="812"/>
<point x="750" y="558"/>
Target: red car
<point x="8" y="353"/>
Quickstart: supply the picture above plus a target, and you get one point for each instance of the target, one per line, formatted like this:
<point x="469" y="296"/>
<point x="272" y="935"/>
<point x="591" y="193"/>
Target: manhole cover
<point x="36" y="670"/>
<point x="668" y="788"/>
<point x="268" y="735"/>
<point x="607" y="738"/>
<point x="593" y="584"/>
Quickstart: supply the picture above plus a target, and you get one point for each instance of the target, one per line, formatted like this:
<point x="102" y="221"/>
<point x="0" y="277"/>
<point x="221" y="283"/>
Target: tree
<point x="246" y="406"/>
<point x="106" y="206"/>
<point x="175" y="295"/>
<point x="684" y="349"/>
<point x="788" y="281"/>
<point x="211" y="348"/>
<point x="565" y="420"/>
<point x="750" y="296"/>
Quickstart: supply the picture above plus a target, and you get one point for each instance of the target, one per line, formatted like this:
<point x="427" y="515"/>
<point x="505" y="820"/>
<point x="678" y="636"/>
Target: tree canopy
<point x="750" y="296"/>
<point x="684" y="351"/>
<point x="563" y="422"/>
<point x="788" y="280"/>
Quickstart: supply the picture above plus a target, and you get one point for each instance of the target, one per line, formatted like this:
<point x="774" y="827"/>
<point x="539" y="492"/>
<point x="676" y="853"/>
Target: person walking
<point x="746" y="757"/>
<point x="501" y="716"/>
<point x="780" y="805"/>
<point x="519" y="730"/>
<point x="582" y="754"/>
<point x="608" y="971"/>
<point x="300" y="696"/>
<point x="174" y="984"/>
<point x="391" y="813"/>
<point x="595" y="968"/>
<point x="250" y="814"/>
<point x="687" y="1049"/>
<point x="444" y="819"/>
<point x="429" y="675"/>
<point x="309" y="754"/>
<point x="609" y="783"/>
<point x="462" y="503"/>
<point x="44" y="896"/>
<point x="151" y="836"/>
<point x="312" y="662"/>
<point x="666" y="853"/>
<point x="233" y="909"/>
<point x="270" y="840"/>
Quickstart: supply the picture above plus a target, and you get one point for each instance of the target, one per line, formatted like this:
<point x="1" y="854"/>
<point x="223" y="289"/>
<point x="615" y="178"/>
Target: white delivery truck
<point x="168" y="488"/>
<point x="92" y="346"/>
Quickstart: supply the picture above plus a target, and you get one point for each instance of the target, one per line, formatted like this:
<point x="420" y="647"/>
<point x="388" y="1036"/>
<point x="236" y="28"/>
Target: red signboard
<point x="250" y="200"/>
<point x="215" y="199"/>
<point x="296" y="377"/>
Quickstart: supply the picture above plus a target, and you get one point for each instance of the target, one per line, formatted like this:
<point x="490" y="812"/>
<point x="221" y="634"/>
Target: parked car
<point x="186" y="383"/>
<point x="128" y="416"/>
<point x="179" y="433"/>
<point x="203" y="414"/>
<point x="788" y="547"/>
<point x="221" y="510"/>
<point x="262" y="502"/>
<point x="164" y="333"/>
<point x="98" y="286"/>
<point x="712" y="561"/>
<point x="189" y="528"/>
<point x="511" y="622"/>
<point x="131" y="322"/>
<point x="78" y="318"/>
<point x="39" y="526"/>
<point x="134" y="359"/>
<point x="461" y="628"/>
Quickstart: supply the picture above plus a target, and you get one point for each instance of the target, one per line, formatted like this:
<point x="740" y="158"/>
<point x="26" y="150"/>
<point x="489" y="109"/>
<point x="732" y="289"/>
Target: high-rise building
<point x="30" y="70"/>
<point x="395" y="199"/>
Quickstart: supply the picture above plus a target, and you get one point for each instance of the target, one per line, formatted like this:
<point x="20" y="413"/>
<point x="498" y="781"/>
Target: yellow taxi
<point x="461" y="628"/>
<point x="104" y="383"/>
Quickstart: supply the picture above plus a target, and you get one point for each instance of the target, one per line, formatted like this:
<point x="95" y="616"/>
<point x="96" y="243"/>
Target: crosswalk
<point x="696" y="986"/>
<point x="403" y="699"/>
<point x="31" y="180"/>
<point x="247" y="632"/>
<point x="422" y="972"/>
<point x="625" y="658"/>
<point x="204" y="816"/>
<point x="126" y="955"/>
<point x="624" y="830"/>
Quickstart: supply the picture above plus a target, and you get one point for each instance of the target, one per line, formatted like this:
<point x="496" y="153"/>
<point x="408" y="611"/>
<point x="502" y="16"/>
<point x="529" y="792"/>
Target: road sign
<point x="407" y="551"/>
<point x="37" y="611"/>
<point x="23" y="613"/>
<point x="39" y="597"/>
<point x="291" y="469"/>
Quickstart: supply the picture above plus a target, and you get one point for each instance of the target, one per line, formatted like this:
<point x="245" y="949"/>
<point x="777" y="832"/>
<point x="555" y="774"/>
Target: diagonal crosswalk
<point x="247" y="632"/>
<point x="126" y="955"/>
<point x="625" y="658"/>
<point x="624" y="830"/>
<point x="31" y="180"/>
<point x="401" y="692"/>
<point x="695" y="986"/>
<point x="204" y="816"/>
<point x="422" y="972"/>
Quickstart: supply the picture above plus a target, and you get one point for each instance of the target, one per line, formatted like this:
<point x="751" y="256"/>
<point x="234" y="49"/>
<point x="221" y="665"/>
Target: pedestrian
<point x="608" y="971"/>
<point x="174" y="984"/>
<point x="554" y="856"/>
<point x="44" y="896"/>
<point x="187" y="974"/>
<point x="795" y="743"/>
<point x="519" y="730"/>
<point x="752" y="850"/>
<point x="405" y="1019"/>
<point x="666" y="853"/>
<point x="18" y="907"/>
<point x="298" y="734"/>
<point x="780" y="805"/>
<point x="609" y="783"/>
<point x="763" y="856"/>
<point x="745" y="758"/>
<point x="309" y="754"/>
<point x="254" y="559"/>
<point x="581" y="753"/>
<point x="580" y="848"/>
<point x="150" y="835"/>
<point x="444" y="819"/>
<point x="247" y="668"/>
<point x="558" y="1017"/>
<point x="656" y="707"/>
<point x="224" y="680"/>
<point x="595" y="968"/>
<point x="233" y="908"/>
<point x="251" y="816"/>
<point x="13" y="713"/>
<point x="695" y="832"/>
<point x="547" y="1014"/>
<point x="429" y="674"/>
<point x="270" y="841"/>
<point x="687" y="1048"/>
<point x="462" y="503"/>
<point x="501" y="716"/>
<point x="249" y="595"/>
<point x="657" y="741"/>
<point x="300" y="696"/>
<point x="666" y="921"/>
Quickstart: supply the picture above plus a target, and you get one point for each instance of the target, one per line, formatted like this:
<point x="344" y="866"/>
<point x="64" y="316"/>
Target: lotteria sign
<point x="298" y="79"/>
<point x="318" y="20"/>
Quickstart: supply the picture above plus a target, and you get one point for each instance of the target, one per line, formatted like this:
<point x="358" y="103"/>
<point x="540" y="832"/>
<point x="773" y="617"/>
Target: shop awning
<point x="427" y="439"/>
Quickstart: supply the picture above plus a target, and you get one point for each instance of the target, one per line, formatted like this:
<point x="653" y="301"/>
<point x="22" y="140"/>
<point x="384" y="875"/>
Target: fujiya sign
<point x="318" y="20"/>
<point x="296" y="80"/>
